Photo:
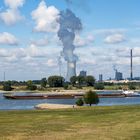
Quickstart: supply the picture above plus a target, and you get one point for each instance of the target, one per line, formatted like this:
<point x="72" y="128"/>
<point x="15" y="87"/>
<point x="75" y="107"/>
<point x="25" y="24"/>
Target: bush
<point x="120" y="87"/>
<point x="79" y="102"/>
<point x="73" y="80"/>
<point x="31" y="86"/>
<point x="132" y="87"/>
<point x="7" y="86"/>
<point x="90" y="80"/>
<point x="43" y="82"/>
<point x="56" y="81"/>
<point x="91" y="97"/>
<point x="66" y="85"/>
<point x="99" y="86"/>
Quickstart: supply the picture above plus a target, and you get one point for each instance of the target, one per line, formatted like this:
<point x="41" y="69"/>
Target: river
<point x="6" y="104"/>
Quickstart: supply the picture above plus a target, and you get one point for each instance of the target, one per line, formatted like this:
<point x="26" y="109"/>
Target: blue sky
<point x="29" y="46"/>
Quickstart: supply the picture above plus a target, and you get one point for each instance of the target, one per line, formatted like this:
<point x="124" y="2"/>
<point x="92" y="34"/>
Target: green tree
<point x="80" y="80"/>
<point x="73" y="80"/>
<point x="99" y="86"/>
<point x="56" y="81"/>
<point x="31" y="86"/>
<point x="91" y="97"/>
<point x="90" y="80"/>
<point x="131" y="86"/>
<point x="43" y="82"/>
<point x="66" y="85"/>
<point x="7" y="86"/>
<point x="79" y="102"/>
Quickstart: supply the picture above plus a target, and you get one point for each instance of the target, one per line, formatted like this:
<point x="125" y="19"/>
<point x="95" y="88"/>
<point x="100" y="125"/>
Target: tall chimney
<point x="131" y="65"/>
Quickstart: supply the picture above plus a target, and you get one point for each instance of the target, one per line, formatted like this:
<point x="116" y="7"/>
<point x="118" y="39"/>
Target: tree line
<point x="59" y="81"/>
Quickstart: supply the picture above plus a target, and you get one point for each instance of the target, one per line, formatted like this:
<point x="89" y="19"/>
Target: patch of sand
<point x="53" y="106"/>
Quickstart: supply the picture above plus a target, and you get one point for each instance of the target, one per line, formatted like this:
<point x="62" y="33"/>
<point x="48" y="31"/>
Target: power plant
<point x="71" y="70"/>
<point x="69" y="24"/>
<point x="118" y="75"/>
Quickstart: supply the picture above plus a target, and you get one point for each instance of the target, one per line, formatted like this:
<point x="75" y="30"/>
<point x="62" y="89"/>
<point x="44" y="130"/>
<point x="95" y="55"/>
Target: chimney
<point x="131" y="65"/>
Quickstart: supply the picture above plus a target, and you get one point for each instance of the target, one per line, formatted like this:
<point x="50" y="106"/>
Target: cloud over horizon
<point x="8" y="39"/>
<point x="115" y="38"/>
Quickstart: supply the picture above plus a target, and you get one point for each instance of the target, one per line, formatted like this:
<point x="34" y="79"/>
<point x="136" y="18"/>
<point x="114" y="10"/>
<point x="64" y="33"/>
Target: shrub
<point x="66" y="85"/>
<point x="90" y="80"/>
<point x="99" y="86"/>
<point x="43" y="82"/>
<point x="31" y="86"/>
<point x="132" y="87"/>
<point x="79" y="102"/>
<point x="91" y="97"/>
<point x="7" y="86"/>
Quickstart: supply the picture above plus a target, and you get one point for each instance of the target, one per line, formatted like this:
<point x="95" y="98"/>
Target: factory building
<point x="118" y="76"/>
<point x="100" y="77"/>
<point x="83" y="73"/>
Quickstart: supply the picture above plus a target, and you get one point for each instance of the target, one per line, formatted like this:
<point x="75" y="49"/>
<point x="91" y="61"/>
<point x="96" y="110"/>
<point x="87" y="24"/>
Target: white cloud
<point x="40" y="42"/>
<point x="90" y="38"/>
<point x="45" y="18"/>
<point x="114" y="39"/>
<point x="44" y="60"/>
<point x="51" y="63"/>
<point x="83" y="41"/>
<point x="13" y="4"/>
<point x="12" y="14"/>
<point x="35" y="51"/>
<point x="4" y="53"/>
<point x="8" y="39"/>
<point x="110" y="31"/>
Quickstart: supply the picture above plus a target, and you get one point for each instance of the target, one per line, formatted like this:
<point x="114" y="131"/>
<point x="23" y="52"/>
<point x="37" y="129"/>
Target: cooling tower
<point x="71" y="70"/>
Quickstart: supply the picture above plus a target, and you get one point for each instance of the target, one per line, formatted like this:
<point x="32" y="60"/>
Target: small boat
<point x="130" y="93"/>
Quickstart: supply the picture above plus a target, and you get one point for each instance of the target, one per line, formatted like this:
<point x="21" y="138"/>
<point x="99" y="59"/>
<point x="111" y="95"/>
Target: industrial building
<point x="118" y="76"/>
<point x="83" y="73"/>
<point x="100" y="78"/>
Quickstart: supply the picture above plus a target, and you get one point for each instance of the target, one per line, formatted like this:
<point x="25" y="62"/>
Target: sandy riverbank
<point x="54" y="106"/>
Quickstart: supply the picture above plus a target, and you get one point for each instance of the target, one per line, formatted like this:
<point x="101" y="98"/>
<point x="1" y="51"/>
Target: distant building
<point x="100" y="77"/>
<point x="118" y="76"/>
<point x="136" y="78"/>
<point x="83" y="73"/>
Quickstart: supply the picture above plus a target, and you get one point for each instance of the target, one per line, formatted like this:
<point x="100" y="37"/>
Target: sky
<point x="30" y="47"/>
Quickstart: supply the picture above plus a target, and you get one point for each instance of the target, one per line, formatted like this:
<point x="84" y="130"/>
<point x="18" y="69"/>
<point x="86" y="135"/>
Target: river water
<point x="6" y="104"/>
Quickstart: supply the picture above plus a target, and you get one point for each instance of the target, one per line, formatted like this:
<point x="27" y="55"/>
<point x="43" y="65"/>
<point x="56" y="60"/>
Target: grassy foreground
<point x="95" y="123"/>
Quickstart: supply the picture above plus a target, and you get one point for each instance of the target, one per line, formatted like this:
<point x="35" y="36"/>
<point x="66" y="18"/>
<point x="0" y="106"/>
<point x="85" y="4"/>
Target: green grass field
<point x="88" y="123"/>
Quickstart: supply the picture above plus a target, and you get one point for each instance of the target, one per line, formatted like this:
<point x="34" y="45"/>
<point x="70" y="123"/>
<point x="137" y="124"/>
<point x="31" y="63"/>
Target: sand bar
<point x="54" y="106"/>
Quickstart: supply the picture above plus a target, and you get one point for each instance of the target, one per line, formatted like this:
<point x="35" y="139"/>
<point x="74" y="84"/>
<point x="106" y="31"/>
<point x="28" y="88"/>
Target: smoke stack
<point x="69" y="24"/>
<point x="131" y="65"/>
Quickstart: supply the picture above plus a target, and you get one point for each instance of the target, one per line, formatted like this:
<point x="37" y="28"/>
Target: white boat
<point x="130" y="93"/>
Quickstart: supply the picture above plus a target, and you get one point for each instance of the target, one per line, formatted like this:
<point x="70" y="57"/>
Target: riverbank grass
<point x="99" y="123"/>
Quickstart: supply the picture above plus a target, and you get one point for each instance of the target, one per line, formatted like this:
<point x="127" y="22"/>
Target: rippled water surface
<point x="6" y="104"/>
